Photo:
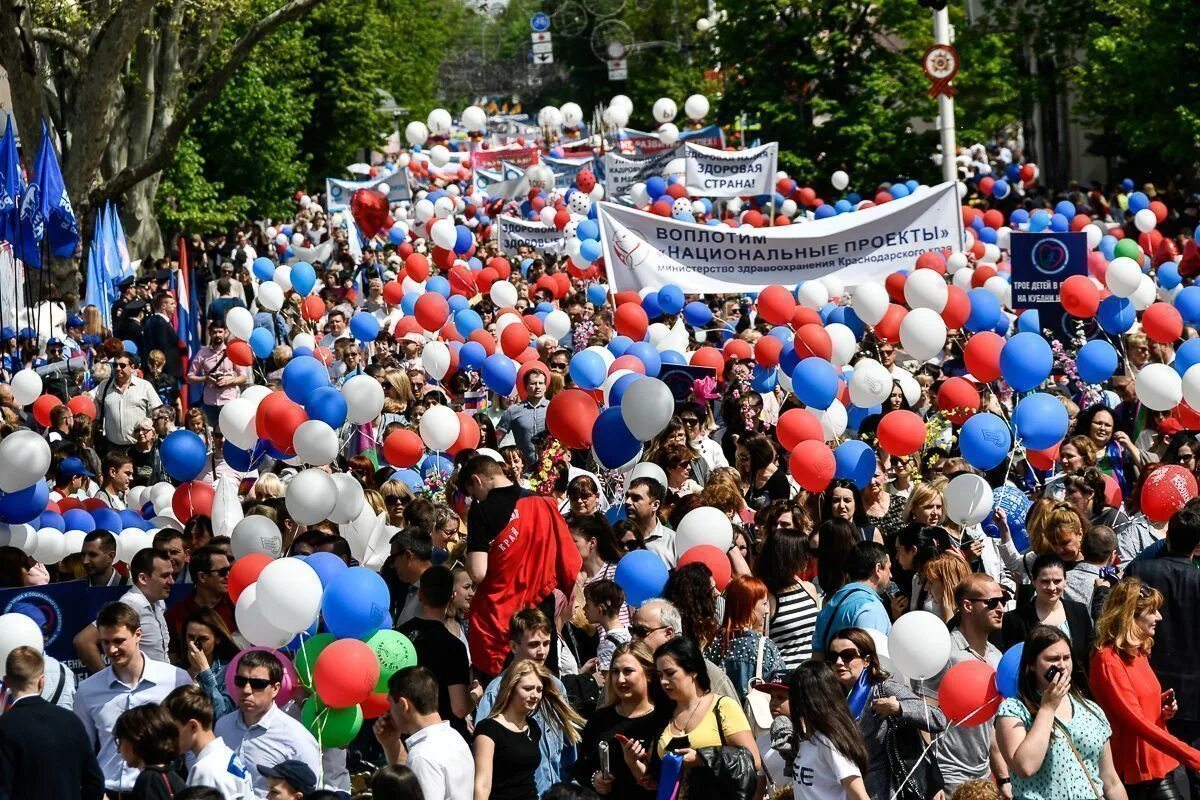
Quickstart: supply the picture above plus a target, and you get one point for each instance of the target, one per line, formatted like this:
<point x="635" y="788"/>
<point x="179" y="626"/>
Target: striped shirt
<point x="793" y="624"/>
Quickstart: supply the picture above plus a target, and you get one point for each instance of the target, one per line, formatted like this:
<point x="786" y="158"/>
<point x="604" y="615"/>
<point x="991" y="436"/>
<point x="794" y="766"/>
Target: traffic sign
<point x="618" y="74"/>
<point x="543" y="58"/>
<point x="540" y="22"/>
<point x="539" y="37"/>
<point x="543" y="47"/>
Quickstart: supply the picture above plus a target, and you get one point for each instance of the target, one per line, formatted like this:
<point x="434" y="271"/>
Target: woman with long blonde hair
<point x="1144" y="752"/>
<point x="510" y="737"/>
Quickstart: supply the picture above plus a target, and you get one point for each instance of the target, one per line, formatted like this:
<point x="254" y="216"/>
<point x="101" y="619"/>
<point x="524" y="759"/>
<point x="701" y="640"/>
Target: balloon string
<point x="932" y="742"/>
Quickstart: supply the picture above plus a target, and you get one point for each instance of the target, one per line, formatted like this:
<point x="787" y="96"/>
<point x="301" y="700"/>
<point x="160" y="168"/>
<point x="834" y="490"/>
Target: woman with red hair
<point x="741" y="646"/>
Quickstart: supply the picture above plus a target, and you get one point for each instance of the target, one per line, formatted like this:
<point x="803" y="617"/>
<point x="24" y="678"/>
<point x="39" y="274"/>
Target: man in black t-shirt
<point x="493" y="496"/>
<point x="440" y="651"/>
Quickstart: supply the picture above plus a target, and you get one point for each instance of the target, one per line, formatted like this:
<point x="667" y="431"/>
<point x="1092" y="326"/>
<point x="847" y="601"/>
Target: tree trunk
<point x="141" y="223"/>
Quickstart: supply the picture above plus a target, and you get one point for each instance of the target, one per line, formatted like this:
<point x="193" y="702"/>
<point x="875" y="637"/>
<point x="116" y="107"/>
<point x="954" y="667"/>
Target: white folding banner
<point x="514" y="232"/>
<point x="621" y="172"/>
<point x="737" y="173"/>
<point x="643" y="250"/>
<point x="339" y="192"/>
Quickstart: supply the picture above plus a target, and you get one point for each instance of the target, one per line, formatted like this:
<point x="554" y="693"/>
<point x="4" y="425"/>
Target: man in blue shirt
<point x="527" y="419"/>
<point x="857" y="604"/>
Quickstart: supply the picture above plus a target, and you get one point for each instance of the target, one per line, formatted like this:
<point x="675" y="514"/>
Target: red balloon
<point x="709" y="357"/>
<point x="514" y="340"/>
<point x="803" y="315"/>
<point x="369" y="207"/>
<point x="972" y="697"/>
<point x="501" y="266"/>
<point x="468" y="434"/>
<point x="1160" y="210"/>
<point x="485" y="278"/>
<point x="993" y="218"/>
<point x="932" y="259"/>
<point x="245" y="571"/>
<point x="982" y="355"/>
<point x="1043" y="459"/>
<point x="888" y="328"/>
<point x="484" y="338"/>
<point x="375" y="706"/>
<point x="462" y="281"/>
<point x="1166" y="489"/>
<point x="417" y="267"/>
<point x="313" y="308"/>
<point x="737" y="348"/>
<point x="393" y="293"/>
<point x="959" y="399"/>
<point x="812" y="341"/>
<point x="628" y="296"/>
<point x="1112" y="492"/>
<point x="431" y="311"/>
<point x="632" y="363"/>
<point x="345" y="673"/>
<point x="901" y="433"/>
<point x="894" y="284"/>
<point x="776" y="305"/>
<point x="631" y="320"/>
<point x="798" y="425"/>
<point x="533" y="324"/>
<point x="1080" y="297"/>
<point x="42" y="408"/>
<point x="982" y="272"/>
<point x="711" y="557"/>
<point x="82" y="404"/>
<point x="812" y="465"/>
<point x="403" y="448"/>
<point x="192" y="498"/>
<point x="661" y="207"/>
<point x="585" y="180"/>
<point x="767" y="350"/>
<point x="753" y="218"/>
<point x="282" y="422"/>
<point x="1162" y="323"/>
<point x="240" y="353"/>
<point x="92" y="503"/>
<point x="958" y="308"/>
<point x="570" y="418"/>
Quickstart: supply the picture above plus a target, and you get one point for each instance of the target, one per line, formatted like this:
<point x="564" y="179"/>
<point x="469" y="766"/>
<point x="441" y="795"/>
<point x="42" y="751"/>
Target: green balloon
<point x="332" y="727"/>
<point x="394" y="651"/>
<point x="306" y="656"/>
<point x="1129" y="248"/>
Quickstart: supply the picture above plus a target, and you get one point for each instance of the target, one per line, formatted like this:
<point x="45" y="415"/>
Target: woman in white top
<point x="831" y="757"/>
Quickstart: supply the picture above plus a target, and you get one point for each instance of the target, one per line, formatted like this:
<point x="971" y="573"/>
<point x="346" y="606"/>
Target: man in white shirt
<point x="215" y="765"/>
<point x="124" y="399"/>
<point x="130" y="680"/>
<point x="642" y="501"/>
<point x="259" y="732"/>
<point x="433" y="750"/>
<point x="336" y="322"/>
<point x="151" y="578"/>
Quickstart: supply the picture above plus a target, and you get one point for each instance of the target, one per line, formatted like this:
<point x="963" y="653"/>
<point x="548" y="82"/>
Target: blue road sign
<point x="540" y="22"/>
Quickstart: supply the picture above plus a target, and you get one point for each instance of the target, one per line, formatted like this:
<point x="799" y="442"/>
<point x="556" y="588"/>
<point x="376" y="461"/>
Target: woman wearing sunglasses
<point x="210" y="648"/>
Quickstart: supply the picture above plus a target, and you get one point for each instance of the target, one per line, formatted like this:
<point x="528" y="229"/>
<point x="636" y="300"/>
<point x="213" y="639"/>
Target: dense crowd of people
<point x="599" y="644"/>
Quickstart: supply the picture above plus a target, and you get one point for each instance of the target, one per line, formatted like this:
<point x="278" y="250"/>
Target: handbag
<point x="724" y="773"/>
<point x="904" y="748"/>
<point x="757" y="704"/>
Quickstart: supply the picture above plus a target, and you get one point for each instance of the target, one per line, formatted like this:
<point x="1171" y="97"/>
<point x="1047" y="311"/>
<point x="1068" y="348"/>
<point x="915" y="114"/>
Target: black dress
<point x="514" y="761"/>
<point x="604" y="726"/>
<point x="157" y="783"/>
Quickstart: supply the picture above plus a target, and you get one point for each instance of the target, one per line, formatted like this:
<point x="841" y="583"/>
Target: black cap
<point x="298" y="775"/>
<point x="163" y="276"/>
<point x="135" y="306"/>
<point x="125" y="282"/>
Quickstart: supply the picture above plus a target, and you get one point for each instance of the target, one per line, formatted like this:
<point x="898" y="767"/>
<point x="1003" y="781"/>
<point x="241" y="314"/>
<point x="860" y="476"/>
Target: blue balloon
<point x="1138" y="201"/>
<point x="327" y="404"/>
<point x="76" y="519"/>
<point x="303" y="278"/>
<point x="472" y="355"/>
<point x="617" y="390"/>
<point x="458" y="303"/>
<point x="1065" y="208"/>
<point x="843" y="206"/>
<point x="410" y="478"/>
<point x="673" y="357"/>
<point x="860" y="694"/>
<point x="436" y="464"/>
<point x="1039" y="220"/>
<point x="670" y="299"/>
<point x="588" y="369"/>
<point x="697" y="314"/>
<point x="846" y="316"/>
<point x="1059" y="223"/>
<point x="184" y="455"/>
<point x="987" y="235"/>
<point x="1187" y="303"/>
<point x="364" y="326"/>
<point x="244" y="460"/>
<point x="1040" y="421"/>
<point x="1168" y="275"/>
<point x="107" y="519"/>
<point x="619" y="345"/>
<point x="985" y="441"/>
<point x="588" y="229"/>
<point x="463" y="239"/>
<point x="499" y="374"/>
<point x="656" y="187"/>
<point x="899" y="190"/>
<point x="1117" y="315"/>
<point x="129" y="347"/>
<point x="1108" y="246"/>
<point x="396" y="235"/>
<point x="1019" y="216"/>
<point x="327" y="566"/>
<point x="438" y="284"/>
<point x="1026" y="361"/>
<point x="825" y="211"/>
<point x="1127" y="184"/>
<point x="408" y="303"/>
<point x="764" y="379"/>
<point x="855" y="416"/>
<point x="28" y="504"/>
<point x="467" y="322"/>
<point x="302" y="376"/>
<point x="51" y="519"/>
<point x="589" y="250"/>
<point x="815" y="382"/>
<point x="855" y="462"/>
<point x="263" y="268"/>
<point x="648" y="355"/>
<point x="642" y="574"/>
<point x="985" y="310"/>
<point x="262" y="342"/>
<point x="355" y="603"/>
<point x="597" y="294"/>
<point x="1008" y="671"/>
<point x="1016" y="507"/>
<point x="650" y="304"/>
<point x="613" y="443"/>
<point x="1000" y="189"/>
<point x="128" y="519"/>
<point x="1097" y="361"/>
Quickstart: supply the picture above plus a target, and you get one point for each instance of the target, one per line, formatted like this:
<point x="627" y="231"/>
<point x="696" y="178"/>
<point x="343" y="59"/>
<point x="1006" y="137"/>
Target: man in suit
<point x="158" y="333"/>
<point x="44" y="750"/>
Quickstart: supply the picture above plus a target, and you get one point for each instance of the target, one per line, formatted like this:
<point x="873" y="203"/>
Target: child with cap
<point x="70" y="481"/>
<point x="289" y="780"/>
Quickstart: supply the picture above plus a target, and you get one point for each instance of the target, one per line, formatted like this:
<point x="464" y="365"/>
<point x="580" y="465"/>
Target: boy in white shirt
<point x="214" y="763"/>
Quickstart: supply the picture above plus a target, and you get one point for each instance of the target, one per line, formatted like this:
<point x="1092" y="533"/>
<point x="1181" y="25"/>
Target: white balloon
<point x="416" y="134"/>
<point x="237" y="423"/>
<point x="26" y="387"/>
<point x="1191" y="386"/>
<point x="1145" y="221"/>
<point x="925" y="288"/>
<point x="834" y="285"/>
<point x="256" y="534"/>
<point x="130" y="542"/>
<point x="134" y="497"/>
<point x="18" y="630"/>
<point x="1158" y="387"/>
<point x="435" y="358"/>
<point x="704" y="525"/>
<point x="1123" y="277"/>
<point x="50" y="547"/>
<point x="550" y="117"/>
<point x="440" y="427"/>
<point x="833" y="420"/>
<point x="923" y="333"/>
<point x="21" y="536"/>
<point x="557" y="324"/>
<point x="503" y="294"/>
<point x="316" y="443"/>
<point x="439" y="122"/>
<point x="443" y="234"/>
<point x="1094" y="234"/>
<point x="664" y="110"/>
<point x="161" y="495"/>
<point x="812" y="294"/>
<point x="289" y="593"/>
<point x="439" y="156"/>
<point x="668" y="133"/>
<point x="25" y="457"/>
<point x="840" y="180"/>
<point x="74" y="540"/>
<point x="572" y="114"/>
<point x="310" y="496"/>
<point x="956" y="261"/>
<point x="1000" y="289"/>
<point x="964" y="278"/>
<point x="1146" y="292"/>
<point x="646" y="469"/>
<point x="167" y="520"/>
<point x="364" y="399"/>
<point x="301" y="340"/>
<point x="919" y="644"/>
<point x="870" y="302"/>
<point x="622" y="102"/>
<point x="871" y="383"/>
<point x="968" y="499"/>
<point x="350" y="498"/>
<point x="474" y="119"/>
<point x="908" y="385"/>
<point x="844" y="344"/>
<point x="704" y="24"/>
<point x="270" y="296"/>
<point x="240" y="322"/>
<point x="696" y="107"/>
<point x="283" y="277"/>
<point x="253" y="624"/>
<point x="646" y="408"/>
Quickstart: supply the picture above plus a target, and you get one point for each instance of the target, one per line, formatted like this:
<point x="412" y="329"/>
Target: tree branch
<point x="59" y="39"/>
<point x="201" y="98"/>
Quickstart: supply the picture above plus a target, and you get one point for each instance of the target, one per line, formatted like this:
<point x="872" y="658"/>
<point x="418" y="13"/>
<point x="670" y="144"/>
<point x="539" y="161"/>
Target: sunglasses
<point x="559" y="365"/>
<point x="991" y="603"/>
<point x="629" y="544"/>
<point x="846" y="656"/>
<point x="223" y="571"/>
<point x="689" y="421"/>
<point x="642" y="631"/>
<point x="123" y="365"/>
<point x="257" y="684"/>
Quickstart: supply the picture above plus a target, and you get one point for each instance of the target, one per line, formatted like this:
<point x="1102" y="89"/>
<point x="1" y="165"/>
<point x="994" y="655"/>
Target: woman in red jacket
<point x="1122" y="682"/>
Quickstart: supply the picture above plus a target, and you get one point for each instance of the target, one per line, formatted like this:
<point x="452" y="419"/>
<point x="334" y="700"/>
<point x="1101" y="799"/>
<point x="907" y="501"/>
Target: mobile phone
<point x="604" y="764"/>
<point x="1168" y="697"/>
<point x="891" y="590"/>
<point x="1053" y="673"/>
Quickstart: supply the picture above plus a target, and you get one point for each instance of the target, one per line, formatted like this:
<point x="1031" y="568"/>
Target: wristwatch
<point x="1003" y="781"/>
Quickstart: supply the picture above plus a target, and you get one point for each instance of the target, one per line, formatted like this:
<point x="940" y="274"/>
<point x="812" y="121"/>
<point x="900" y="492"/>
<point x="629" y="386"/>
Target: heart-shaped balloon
<point x="370" y="210"/>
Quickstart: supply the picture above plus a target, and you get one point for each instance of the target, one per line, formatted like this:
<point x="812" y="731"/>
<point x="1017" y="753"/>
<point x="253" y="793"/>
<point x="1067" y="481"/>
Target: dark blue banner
<point x="1040" y="263"/>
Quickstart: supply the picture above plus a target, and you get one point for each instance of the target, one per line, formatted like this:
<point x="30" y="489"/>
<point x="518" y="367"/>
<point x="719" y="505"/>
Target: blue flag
<point x="100" y="291"/>
<point x="12" y="185"/>
<point x="61" y="227"/>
